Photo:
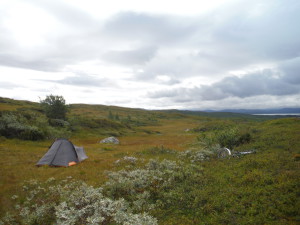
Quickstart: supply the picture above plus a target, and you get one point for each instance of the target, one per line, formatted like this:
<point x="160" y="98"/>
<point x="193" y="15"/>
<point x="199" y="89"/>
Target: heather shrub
<point x="140" y="185"/>
<point x="198" y="155"/>
<point x="71" y="202"/>
<point x="147" y="188"/>
<point x="127" y="160"/>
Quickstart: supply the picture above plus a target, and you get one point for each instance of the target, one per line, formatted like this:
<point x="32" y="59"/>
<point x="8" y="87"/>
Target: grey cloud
<point x="244" y="34"/>
<point x="41" y="64"/>
<point x="9" y="85"/>
<point x="235" y="37"/>
<point x="291" y="70"/>
<point x="169" y="82"/>
<point x="229" y="38"/>
<point x="266" y="29"/>
<point x="166" y="93"/>
<point x="84" y="80"/>
<point x="261" y="83"/>
<point x="157" y="29"/>
<point x="266" y="82"/>
<point x="130" y="57"/>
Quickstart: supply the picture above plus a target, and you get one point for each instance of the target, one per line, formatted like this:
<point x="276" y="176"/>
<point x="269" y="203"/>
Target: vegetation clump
<point x="228" y="138"/>
<point x="71" y="202"/>
<point x="17" y="126"/>
<point x="55" y="107"/>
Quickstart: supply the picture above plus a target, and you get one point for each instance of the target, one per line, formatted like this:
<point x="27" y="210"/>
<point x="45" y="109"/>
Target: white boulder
<point x="110" y="140"/>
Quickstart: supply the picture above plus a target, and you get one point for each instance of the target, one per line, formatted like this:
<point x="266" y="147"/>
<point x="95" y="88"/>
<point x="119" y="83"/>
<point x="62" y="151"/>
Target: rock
<point x="110" y="140"/>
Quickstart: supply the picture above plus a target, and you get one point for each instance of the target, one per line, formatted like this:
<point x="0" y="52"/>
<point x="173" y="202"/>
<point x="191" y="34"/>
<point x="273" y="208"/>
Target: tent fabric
<point x="80" y="153"/>
<point x="63" y="153"/>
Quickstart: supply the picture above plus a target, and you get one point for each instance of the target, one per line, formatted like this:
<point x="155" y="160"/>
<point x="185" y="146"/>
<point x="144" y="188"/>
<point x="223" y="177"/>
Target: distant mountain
<point x="259" y="111"/>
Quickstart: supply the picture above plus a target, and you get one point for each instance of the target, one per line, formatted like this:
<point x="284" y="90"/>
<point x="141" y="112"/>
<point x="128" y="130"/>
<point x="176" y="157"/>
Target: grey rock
<point x="110" y="140"/>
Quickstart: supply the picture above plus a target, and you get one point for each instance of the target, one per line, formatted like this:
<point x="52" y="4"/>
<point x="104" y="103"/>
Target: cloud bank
<point x="240" y="51"/>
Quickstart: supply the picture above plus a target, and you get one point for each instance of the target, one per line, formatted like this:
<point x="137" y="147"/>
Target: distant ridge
<point x="259" y="111"/>
<point x="204" y="112"/>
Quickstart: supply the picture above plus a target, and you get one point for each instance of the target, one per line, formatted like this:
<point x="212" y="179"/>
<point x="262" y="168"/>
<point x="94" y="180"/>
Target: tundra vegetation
<point x="165" y="170"/>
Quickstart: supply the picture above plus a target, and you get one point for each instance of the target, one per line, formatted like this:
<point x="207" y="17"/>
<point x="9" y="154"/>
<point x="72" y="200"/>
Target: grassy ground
<point x="262" y="188"/>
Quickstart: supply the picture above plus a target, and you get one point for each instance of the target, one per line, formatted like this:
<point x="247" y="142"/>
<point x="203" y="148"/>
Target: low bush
<point x="197" y="155"/>
<point x="13" y="126"/>
<point x="229" y="138"/>
<point x="93" y="123"/>
<point x="32" y="133"/>
<point x="59" y="123"/>
<point x="158" y="150"/>
<point x="52" y="133"/>
<point x="256" y="189"/>
<point x="71" y="202"/>
<point x="147" y="188"/>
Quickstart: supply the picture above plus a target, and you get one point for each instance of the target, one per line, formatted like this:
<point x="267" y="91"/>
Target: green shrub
<point x="158" y="150"/>
<point x="59" y="123"/>
<point x="32" y="133"/>
<point x="53" y="133"/>
<point x="71" y="202"/>
<point x="12" y="126"/>
<point x="229" y="138"/>
<point x="198" y="155"/>
<point x="148" y="188"/>
<point x="93" y="123"/>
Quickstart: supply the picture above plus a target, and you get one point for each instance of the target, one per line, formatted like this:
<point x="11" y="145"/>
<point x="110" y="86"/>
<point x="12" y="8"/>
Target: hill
<point x="262" y="111"/>
<point x="166" y="169"/>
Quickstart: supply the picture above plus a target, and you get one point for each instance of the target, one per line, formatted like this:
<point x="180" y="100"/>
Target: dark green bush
<point x="229" y="138"/>
<point x="32" y="133"/>
<point x="13" y="126"/>
<point x="59" y="123"/>
<point x="55" y="107"/>
<point x="54" y="132"/>
<point x="31" y="128"/>
<point x="94" y="123"/>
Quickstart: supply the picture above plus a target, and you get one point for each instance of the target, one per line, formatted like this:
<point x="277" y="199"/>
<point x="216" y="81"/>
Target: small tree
<point x="55" y="107"/>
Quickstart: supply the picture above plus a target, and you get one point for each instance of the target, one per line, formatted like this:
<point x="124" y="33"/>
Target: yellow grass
<point x="18" y="158"/>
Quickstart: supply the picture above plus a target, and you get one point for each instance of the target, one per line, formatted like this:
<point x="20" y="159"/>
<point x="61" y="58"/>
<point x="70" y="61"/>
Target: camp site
<point x="114" y="165"/>
<point x="161" y="112"/>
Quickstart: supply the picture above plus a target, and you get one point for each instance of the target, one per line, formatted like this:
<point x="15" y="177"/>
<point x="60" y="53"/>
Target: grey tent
<point x="63" y="153"/>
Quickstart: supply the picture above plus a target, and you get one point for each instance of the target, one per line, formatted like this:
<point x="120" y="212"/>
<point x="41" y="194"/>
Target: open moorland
<point x="166" y="169"/>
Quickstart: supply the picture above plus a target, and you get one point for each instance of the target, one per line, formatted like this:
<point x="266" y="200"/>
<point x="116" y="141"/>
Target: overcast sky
<point x="191" y="54"/>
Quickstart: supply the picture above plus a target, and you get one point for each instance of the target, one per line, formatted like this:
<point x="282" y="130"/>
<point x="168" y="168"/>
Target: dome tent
<point x="62" y="153"/>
